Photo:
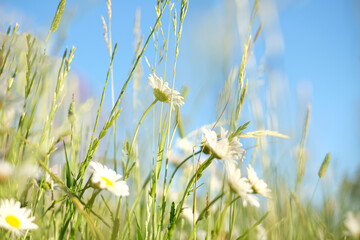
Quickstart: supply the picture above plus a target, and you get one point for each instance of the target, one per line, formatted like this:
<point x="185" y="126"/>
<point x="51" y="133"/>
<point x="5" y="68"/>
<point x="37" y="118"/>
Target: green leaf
<point x="206" y="209"/>
<point x="139" y="234"/>
<point x="68" y="176"/>
<point x="253" y="226"/>
<point x="115" y="229"/>
<point x="63" y="230"/>
<point x="238" y="131"/>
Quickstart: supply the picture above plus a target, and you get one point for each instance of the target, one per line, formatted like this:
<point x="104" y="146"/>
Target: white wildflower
<point x="187" y="213"/>
<point x="46" y="181"/>
<point x="28" y="170"/>
<point x="258" y="185"/>
<point x="352" y="225"/>
<point x="15" y="218"/>
<point x="105" y="178"/>
<point x="6" y="171"/>
<point x="185" y="148"/>
<point x="222" y="148"/>
<point x="11" y="107"/>
<point x="185" y="145"/>
<point x="162" y="92"/>
<point x="175" y="158"/>
<point x="241" y="186"/>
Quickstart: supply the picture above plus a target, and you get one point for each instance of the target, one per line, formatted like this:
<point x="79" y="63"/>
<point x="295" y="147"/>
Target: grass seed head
<point x="324" y="166"/>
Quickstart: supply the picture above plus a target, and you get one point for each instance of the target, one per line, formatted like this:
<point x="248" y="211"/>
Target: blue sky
<point x="318" y="65"/>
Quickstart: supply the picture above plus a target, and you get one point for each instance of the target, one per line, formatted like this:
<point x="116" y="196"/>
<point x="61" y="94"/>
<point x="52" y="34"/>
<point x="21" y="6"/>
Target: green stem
<point x="92" y="148"/>
<point x="137" y="61"/>
<point x="153" y="198"/>
<point x="126" y="174"/>
<point x="178" y="167"/>
<point x="197" y="175"/>
<point x="92" y="200"/>
<point x="312" y="197"/>
<point x="232" y="219"/>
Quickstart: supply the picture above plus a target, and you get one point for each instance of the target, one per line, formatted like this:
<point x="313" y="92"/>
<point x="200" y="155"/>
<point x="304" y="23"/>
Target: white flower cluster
<point x="228" y="150"/>
<point x="246" y="188"/>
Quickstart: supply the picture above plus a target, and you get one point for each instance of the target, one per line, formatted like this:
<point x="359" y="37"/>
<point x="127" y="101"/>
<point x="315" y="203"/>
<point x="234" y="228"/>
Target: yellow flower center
<point x="13" y="221"/>
<point x="107" y="181"/>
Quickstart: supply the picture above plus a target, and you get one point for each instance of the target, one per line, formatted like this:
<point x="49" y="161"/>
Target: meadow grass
<point x="66" y="173"/>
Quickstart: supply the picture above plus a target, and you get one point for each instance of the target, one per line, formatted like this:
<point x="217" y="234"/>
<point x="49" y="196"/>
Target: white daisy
<point x="241" y="186"/>
<point x="187" y="213"/>
<point x="352" y="225"/>
<point x="162" y="92"/>
<point x="185" y="145"/>
<point x="182" y="149"/>
<point x="223" y="148"/>
<point x="105" y="178"/>
<point x="46" y="183"/>
<point x="15" y="218"/>
<point x="175" y="158"/>
<point x="28" y="170"/>
<point x="6" y="170"/>
<point x="11" y="107"/>
<point x="258" y="185"/>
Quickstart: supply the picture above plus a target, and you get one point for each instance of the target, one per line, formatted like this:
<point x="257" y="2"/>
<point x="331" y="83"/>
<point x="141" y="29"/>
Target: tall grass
<point x="178" y="186"/>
